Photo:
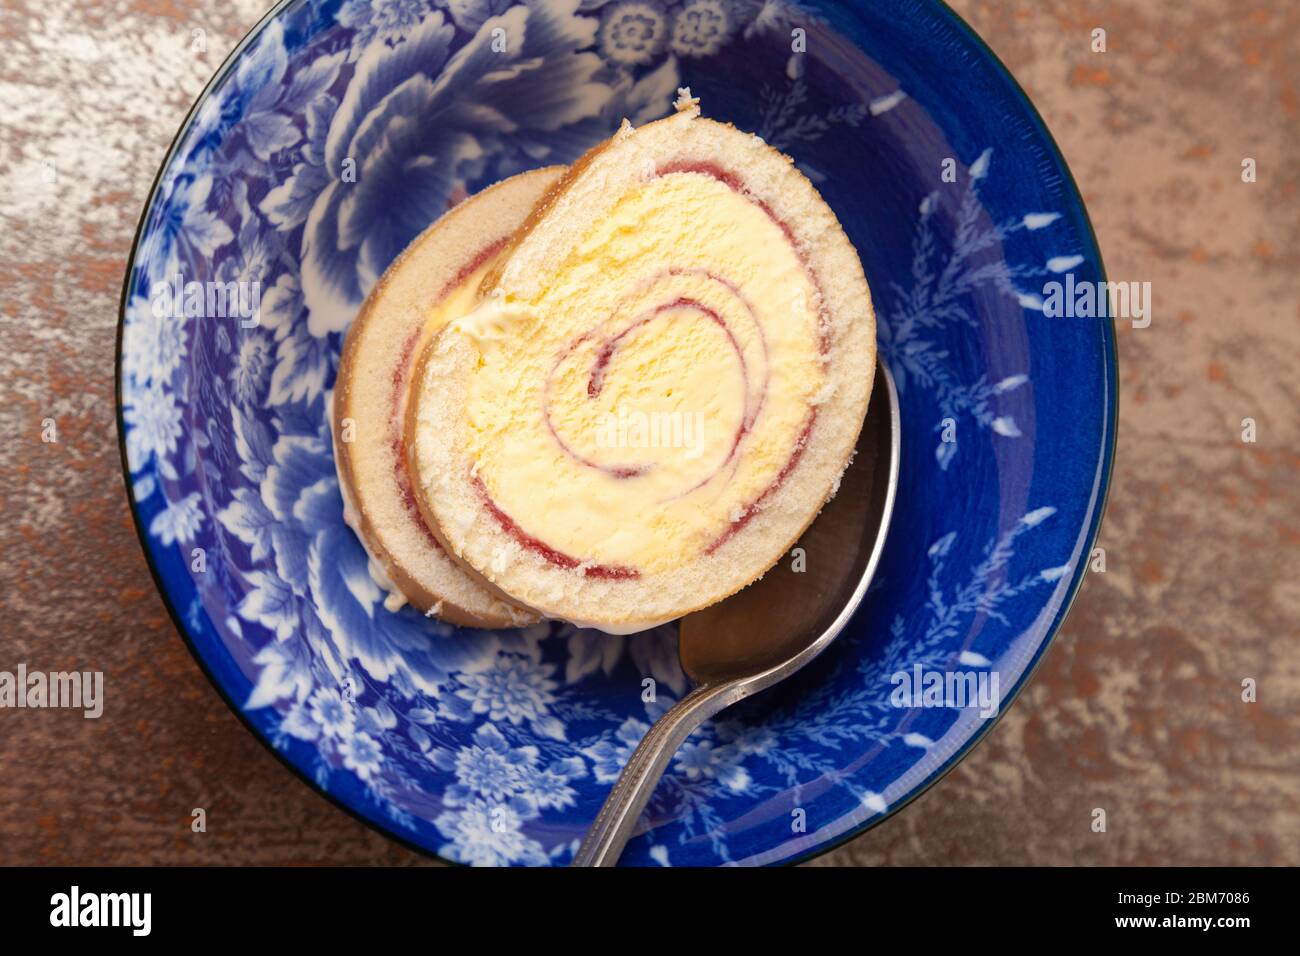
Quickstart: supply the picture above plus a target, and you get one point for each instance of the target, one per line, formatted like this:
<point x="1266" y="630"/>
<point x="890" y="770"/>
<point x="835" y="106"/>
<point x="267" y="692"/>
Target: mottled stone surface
<point x="1137" y="709"/>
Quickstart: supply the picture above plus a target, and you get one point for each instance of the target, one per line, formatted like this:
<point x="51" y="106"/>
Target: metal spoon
<point x="771" y="629"/>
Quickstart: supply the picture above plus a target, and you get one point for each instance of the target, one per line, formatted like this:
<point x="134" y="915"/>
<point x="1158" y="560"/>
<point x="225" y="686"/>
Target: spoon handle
<point x="613" y="827"/>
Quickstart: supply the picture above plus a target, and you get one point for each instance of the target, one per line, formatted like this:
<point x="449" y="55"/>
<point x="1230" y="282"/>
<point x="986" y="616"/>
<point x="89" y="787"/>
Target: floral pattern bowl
<point x="333" y="135"/>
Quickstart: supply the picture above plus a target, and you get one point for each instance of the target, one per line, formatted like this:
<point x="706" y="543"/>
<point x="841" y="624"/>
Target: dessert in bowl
<point x="334" y="136"/>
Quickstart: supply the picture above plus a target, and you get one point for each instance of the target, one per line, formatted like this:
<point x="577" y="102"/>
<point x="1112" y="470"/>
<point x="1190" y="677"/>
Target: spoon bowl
<point x="773" y="628"/>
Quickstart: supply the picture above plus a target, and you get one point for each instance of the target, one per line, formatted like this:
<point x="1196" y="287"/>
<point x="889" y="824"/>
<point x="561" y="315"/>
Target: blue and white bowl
<point x="333" y="135"/>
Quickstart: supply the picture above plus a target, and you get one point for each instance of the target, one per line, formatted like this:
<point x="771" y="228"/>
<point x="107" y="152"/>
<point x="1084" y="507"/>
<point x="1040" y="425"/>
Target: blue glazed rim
<point x="1100" y="489"/>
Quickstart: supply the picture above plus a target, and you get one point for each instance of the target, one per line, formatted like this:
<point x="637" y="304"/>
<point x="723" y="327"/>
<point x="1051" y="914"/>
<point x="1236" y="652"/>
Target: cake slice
<point x="436" y="277"/>
<point x="659" y="386"/>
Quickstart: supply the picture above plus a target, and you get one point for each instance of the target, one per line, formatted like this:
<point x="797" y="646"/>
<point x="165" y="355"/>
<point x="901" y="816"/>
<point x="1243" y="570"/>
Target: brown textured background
<point x="1136" y="709"/>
